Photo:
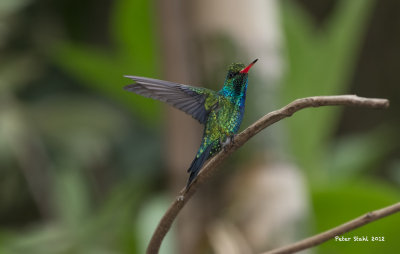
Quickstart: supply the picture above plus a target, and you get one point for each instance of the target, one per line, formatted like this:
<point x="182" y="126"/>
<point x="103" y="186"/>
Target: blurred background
<point x="86" y="167"/>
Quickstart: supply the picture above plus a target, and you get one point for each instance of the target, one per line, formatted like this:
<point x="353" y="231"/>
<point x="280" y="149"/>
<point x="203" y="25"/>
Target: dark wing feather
<point x="190" y="100"/>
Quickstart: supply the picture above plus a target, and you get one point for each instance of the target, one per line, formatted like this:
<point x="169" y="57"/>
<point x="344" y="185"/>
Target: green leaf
<point x="136" y="53"/>
<point x="353" y="155"/>
<point x="71" y="196"/>
<point x="148" y="218"/>
<point x="133" y="30"/>
<point x="334" y="205"/>
<point x="103" y="73"/>
<point x="319" y="63"/>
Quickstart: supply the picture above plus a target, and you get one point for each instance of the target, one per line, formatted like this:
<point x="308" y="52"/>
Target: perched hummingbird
<point x="221" y="112"/>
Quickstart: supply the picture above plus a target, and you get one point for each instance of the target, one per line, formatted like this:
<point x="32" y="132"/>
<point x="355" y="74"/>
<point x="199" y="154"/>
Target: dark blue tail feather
<point x="197" y="164"/>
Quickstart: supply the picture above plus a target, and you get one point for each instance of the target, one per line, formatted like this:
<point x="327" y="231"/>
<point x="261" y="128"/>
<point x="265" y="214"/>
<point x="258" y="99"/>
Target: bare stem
<point x="267" y="120"/>
<point x="346" y="227"/>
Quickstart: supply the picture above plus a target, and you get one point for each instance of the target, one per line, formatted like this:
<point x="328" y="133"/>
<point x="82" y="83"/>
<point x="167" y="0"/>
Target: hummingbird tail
<point x="197" y="164"/>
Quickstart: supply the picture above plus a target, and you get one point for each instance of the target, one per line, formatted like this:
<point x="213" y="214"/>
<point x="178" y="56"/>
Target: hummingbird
<point x="220" y="112"/>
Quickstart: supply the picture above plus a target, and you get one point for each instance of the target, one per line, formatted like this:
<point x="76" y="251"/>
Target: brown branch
<point x="346" y="227"/>
<point x="267" y="120"/>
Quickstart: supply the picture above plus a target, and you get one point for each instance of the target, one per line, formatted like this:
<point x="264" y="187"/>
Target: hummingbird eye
<point x="232" y="74"/>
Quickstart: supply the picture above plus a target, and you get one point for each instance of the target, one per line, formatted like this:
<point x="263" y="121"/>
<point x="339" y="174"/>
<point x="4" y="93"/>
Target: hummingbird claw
<point x="180" y="198"/>
<point x="229" y="140"/>
<point x="225" y="143"/>
<point x="232" y="139"/>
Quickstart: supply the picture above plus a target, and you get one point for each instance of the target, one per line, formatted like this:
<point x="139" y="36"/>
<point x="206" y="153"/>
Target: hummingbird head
<point x="236" y="80"/>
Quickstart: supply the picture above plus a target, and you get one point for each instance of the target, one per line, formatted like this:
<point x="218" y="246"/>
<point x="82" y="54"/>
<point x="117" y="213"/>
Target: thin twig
<point x="346" y="227"/>
<point x="267" y="120"/>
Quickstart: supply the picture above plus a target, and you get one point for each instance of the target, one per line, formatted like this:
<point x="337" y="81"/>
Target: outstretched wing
<point x="194" y="101"/>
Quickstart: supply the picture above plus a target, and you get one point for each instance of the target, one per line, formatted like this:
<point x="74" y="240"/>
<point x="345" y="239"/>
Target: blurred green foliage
<point x="74" y="148"/>
<point x="335" y="204"/>
<point x="133" y="33"/>
<point x="320" y="62"/>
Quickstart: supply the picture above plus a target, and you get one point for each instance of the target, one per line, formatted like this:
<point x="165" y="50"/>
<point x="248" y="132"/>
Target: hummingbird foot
<point x="229" y="140"/>
<point x="232" y="139"/>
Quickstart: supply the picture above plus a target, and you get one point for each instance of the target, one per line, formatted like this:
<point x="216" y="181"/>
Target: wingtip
<point x="128" y="87"/>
